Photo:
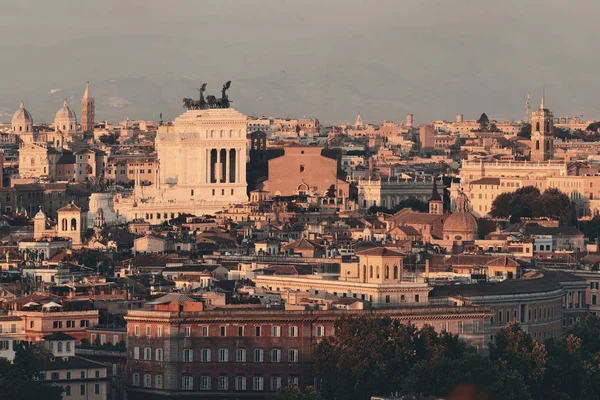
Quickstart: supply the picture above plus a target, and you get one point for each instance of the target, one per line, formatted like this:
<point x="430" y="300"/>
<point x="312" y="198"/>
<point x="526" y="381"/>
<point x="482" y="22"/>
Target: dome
<point x="65" y="112"/>
<point x="22" y="115"/>
<point x="461" y="223"/>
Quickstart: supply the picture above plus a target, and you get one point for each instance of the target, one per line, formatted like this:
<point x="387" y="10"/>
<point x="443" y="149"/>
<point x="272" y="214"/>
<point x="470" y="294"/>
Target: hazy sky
<point x="322" y="58"/>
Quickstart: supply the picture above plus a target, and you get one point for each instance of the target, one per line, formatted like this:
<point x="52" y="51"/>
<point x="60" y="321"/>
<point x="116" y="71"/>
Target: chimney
<point x="427" y="266"/>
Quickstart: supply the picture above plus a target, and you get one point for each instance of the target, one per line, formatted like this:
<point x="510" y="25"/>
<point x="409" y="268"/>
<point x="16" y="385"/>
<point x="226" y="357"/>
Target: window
<point x="223" y="355"/>
<point x="205" y="355"/>
<point x="205" y="331"/>
<point x="97" y="373"/>
<point x="240" y="382"/>
<point x="293" y="331"/>
<point x="240" y="355"/>
<point x="69" y="375"/>
<point x="148" y="331"/>
<point x="257" y="383"/>
<point x="82" y="374"/>
<point x="293" y="380"/>
<point x="147" y="380"/>
<point x="460" y="327"/>
<point x="55" y="376"/>
<point x="258" y="355"/>
<point x="159" y="354"/>
<point x="257" y="331"/>
<point x="115" y="339"/>
<point x="67" y="390"/>
<point x="205" y="382"/>
<point x="275" y="383"/>
<point x="84" y="322"/>
<point x="137" y="330"/>
<point x="159" y="331"/>
<point x="293" y="356"/>
<point x="148" y="354"/>
<point x="223" y="382"/>
<point x="187" y="331"/>
<point x="158" y="381"/>
<point x="136" y="353"/>
<point x="275" y="355"/>
<point x="240" y="331"/>
<point x="416" y="298"/>
<point x="82" y="389"/>
<point x="60" y="346"/>
<point x="187" y="383"/>
<point x="57" y="324"/>
<point x="276" y="331"/>
<point x="387" y="298"/>
<point x="222" y="331"/>
<point x="188" y="355"/>
<point x="320" y="331"/>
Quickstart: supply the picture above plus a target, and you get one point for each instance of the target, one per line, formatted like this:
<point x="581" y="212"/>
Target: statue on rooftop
<point x="211" y="100"/>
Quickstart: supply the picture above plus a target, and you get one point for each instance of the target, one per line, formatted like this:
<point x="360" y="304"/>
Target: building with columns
<point x="201" y="168"/>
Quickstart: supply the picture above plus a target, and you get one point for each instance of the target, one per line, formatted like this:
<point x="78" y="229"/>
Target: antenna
<point x="528" y="108"/>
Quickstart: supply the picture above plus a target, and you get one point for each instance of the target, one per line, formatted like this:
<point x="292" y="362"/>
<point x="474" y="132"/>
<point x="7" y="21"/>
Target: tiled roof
<point x="381" y="252"/>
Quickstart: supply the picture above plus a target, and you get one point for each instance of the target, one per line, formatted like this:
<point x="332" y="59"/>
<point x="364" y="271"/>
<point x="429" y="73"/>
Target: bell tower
<point x="436" y="205"/>
<point x="542" y="131"/>
<point x="88" y="108"/>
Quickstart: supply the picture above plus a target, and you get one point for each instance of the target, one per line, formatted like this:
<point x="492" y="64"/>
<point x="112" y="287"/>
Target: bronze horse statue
<point x="211" y="100"/>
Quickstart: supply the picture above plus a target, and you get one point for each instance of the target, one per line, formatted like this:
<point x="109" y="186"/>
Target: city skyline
<point x="327" y="62"/>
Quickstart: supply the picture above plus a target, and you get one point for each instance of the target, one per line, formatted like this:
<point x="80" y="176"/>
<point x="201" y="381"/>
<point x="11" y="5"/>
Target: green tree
<point x="501" y="206"/>
<point x="483" y="122"/>
<point x="371" y="355"/>
<point x="515" y="348"/>
<point x="18" y="380"/>
<point x="525" y="131"/>
<point x="481" y="376"/>
<point x="294" y="393"/>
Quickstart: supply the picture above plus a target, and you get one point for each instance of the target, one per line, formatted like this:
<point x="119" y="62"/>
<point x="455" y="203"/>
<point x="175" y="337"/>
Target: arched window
<point x="364" y="273"/>
<point x="68" y="346"/>
<point x="60" y="346"/>
<point x="378" y="271"/>
<point x="370" y="271"/>
<point x="537" y="126"/>
<point x="64" y="224"/>
<point x="387" y="272"/>
<point x="547" y="126"/>
<point x="159" y="354"/>
<point x="395" y="272"/>
<point x="537" y="144"/>
<point x="73" y="224"/>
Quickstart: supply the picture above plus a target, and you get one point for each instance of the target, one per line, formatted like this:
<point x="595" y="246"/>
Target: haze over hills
<point x="328" y="61"/>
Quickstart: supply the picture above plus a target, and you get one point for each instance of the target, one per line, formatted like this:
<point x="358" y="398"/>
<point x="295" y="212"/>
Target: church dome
<point x="65" y="112"/>
<point x="22" y="115"/>
<point x="461" y="225"/>
<point x="460" y="222"/>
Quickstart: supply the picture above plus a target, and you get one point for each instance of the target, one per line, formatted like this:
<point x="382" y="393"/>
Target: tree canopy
<point x="373" y="356"/>
<point x="18" y="380"/>
<point x="411" y="202"/>
<point x="483" y="122"/>
<point x="527" y="202"/>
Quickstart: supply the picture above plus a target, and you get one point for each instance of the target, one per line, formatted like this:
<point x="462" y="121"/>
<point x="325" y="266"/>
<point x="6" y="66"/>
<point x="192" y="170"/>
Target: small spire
<point x="542" y="106"/>
<point x="66" y="103"/>
<point x="87" y="94"/>
<point x="435" y="196"/>
<point x="22" y="105"/>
